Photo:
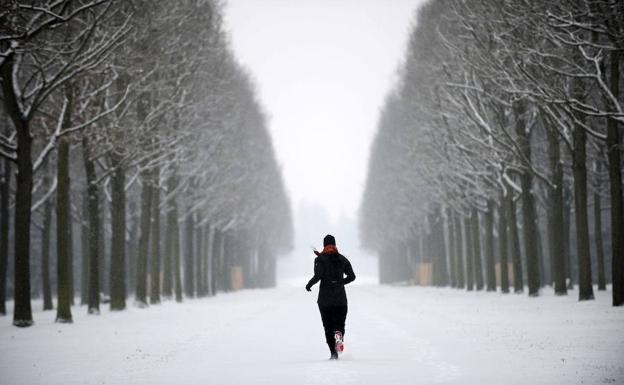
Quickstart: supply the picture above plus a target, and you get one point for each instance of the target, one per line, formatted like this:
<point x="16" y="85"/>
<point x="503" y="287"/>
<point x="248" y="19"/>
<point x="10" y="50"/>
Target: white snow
<point x="394" y="335"/>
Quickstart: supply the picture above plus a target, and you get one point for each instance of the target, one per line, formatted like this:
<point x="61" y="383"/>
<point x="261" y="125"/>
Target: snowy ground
<point x="395" y="335"/>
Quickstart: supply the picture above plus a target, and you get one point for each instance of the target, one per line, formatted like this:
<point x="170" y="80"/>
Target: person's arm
<point x="318" y="272"/>
<point x="350" y="275"/>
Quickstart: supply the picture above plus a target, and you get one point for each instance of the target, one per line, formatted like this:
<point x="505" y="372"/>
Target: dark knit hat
<point x="329" y="240"/>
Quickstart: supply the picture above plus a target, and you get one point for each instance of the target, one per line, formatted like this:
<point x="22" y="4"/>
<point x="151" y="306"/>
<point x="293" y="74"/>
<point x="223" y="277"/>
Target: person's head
<point x="329" y="240"/>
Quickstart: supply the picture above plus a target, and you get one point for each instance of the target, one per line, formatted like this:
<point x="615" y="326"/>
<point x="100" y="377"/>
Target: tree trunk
<point x="5" y="182"/>
<point x="529" y="220"/>
<point x="489" y="247"/>
<point x="615" y="181"/>
<point x="93" y="227"/>
<point x="169" y="246"/>
<point x="155" y="252"/>
<point x="118" y="238"/>
<point x="469" y="253"/>
<point x="516" y="258"/>
<point x="476" y="244"/>
<point x="199" y="259"/>
<point x="556" y="221"/>
<point x="439" y="257"/>
<point x="566" y="239"/>
<point x="63" y="240"/>
<point x="84" y="247"/>
<point x="502" y="242"/>
<point x="459" y="258"/>
<point x="602" y="281"/>
<point x="579" y="169"/>
<point x="177" y="274"/>
<point x="451" y="247"/>
<point x="141" y="265"/>
<point x="189" y="285"/>
<point x="45" y="244"/>
<point x="217" y="244"/>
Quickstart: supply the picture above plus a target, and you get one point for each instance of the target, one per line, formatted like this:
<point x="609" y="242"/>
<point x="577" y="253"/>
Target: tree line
<point x="135" y="150"/>
<point x="498" y="157"/>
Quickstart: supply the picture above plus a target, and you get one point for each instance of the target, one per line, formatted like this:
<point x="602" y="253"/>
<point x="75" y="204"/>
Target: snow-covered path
<point x="394" y="335"/>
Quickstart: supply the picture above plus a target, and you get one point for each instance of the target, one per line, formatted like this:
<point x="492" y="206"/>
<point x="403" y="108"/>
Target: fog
<point x="322" y="69"/>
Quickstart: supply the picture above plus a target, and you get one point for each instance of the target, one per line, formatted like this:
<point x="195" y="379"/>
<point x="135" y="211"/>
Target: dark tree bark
<point x="579" y="169"/>
<point x="155" y="249"/>
<point x="199" y="259"/>
<point x="476" y="244"/>
<point x="93" y="228"/>
<point x="217" y="248"/>
<point x="459" y="258"/>
<point x="22" y="311"/>
<point x="84" y="247"/>
<point x="489" y="247"/>
<point x="502" y="243"/>
<point x="169" y="247"/>
<point x="529" y="220"/>
<point x="63" y="240"/>
<point x="516" y="258"/>
<point x="189" y="284"/>
<point x="567" y="254"/>
<point x="177" y="267"/>
<point x="5" y="182"/>
<point x="45" y="244"/>
<point x="469" y="253"/>
<point x="451" y="247"/>
<point x="118" y="238"/>
<point x="602" y="281"/>
<point x="556" y="220"/>
<point x="615" y="181"/>
<point x="144" y="237"/>
<point x="439" y="258"/>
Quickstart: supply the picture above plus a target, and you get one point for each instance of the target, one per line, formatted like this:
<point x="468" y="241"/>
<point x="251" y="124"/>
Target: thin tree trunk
<point x="142" y="262"/>
<point x="63" y="240"/>
<point x="451" y="247"/>
<point x="476" y="244"/>
<point x="516" y="258"/>
<point x="45" y="244"/>
<point x="199" y="257"/>
<point x="84" y="247"/>
<point x="5" y="182"/>
<point x="155" y="252"/>
<point x="118" y="238"/>
<point x="529" y="219"/>
<point x="169" y="247"/>
<point x="489" y="247"/>
<point x="556" y="221"/>
<point x="602" y="281"/>
<point x="502" y="242"/>
<point x="579" y="169"/>
<point x="615" y="181"/>
<point x="189" y="284"/>
<point x="177" y="273"/>
<point x="469" y="253"/>
<point x="459" y="257"/>
<point x="566" y="236"/>
<point x="93" y="227"/>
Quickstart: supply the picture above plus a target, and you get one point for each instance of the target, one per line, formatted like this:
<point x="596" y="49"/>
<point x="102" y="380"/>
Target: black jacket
<point x="331" y="269"/>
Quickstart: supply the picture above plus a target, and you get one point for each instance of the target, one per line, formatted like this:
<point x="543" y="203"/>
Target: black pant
<point x="333" y="320"/>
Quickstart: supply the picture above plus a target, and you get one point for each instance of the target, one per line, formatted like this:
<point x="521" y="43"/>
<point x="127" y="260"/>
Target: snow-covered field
<point x="395" y="335"/>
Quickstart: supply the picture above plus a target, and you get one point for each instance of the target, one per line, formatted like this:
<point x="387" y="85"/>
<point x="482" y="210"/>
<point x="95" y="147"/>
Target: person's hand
<point x="308" y="288"/>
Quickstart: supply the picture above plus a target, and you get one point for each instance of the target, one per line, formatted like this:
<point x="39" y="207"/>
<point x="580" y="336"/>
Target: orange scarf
<point x="329" y="249"/>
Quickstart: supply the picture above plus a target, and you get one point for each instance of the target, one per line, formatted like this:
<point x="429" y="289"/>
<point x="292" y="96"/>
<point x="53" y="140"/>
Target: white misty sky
<point x="323" y="68"/>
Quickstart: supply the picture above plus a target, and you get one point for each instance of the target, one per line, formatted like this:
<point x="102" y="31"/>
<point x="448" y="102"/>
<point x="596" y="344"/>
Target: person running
<point x="330" y="267"/>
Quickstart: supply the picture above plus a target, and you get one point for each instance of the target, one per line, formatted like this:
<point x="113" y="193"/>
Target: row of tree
<point x="499" y="154"/>
<point x="131" y="123"/>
